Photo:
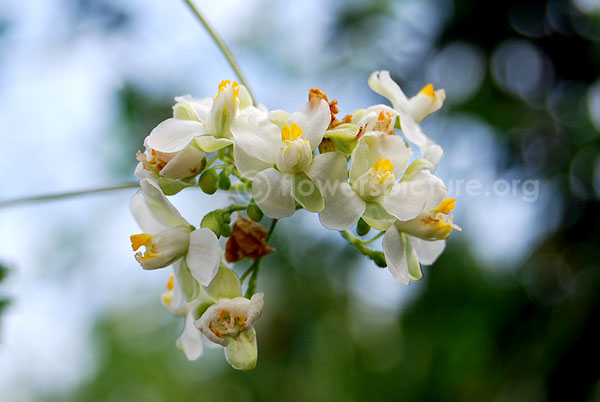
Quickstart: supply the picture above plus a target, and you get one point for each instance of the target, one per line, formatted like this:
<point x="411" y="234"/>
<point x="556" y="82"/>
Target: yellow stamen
<point x="383" y="165"/>
<point x="291" y="132"/>
<point x="235" y="86"/>
<point x="383" y="116"/>
<point x="170" y="283"/>
<point x="446" y="206"/>
<point x="140" y="240"/>
<point x="428" y="90"/>
<point x="167" y="299"/>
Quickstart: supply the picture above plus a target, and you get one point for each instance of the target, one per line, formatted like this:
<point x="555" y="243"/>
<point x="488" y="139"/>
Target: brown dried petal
<point x="247" y="240"/>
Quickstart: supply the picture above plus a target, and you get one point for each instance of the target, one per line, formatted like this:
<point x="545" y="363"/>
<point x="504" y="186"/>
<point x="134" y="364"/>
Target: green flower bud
<point x="379" y="259"/>
<point x="344" y="137"/>
<point x="224" y="180"/>
<point x="213" y="221"/>
<point x="362" y="227"/>
<point x="226" y="230"/>
<point x="254" y="212"/>
<point x="208" y="181"/>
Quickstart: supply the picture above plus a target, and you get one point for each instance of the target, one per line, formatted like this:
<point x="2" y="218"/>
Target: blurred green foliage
<point x="472" y="333"/>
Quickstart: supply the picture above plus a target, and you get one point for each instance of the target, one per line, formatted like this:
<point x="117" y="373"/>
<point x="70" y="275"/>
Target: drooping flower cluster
<point x="354" y="172"/>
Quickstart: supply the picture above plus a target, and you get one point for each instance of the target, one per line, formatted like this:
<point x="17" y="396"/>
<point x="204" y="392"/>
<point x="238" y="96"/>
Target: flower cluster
<point x="356" y="172"/>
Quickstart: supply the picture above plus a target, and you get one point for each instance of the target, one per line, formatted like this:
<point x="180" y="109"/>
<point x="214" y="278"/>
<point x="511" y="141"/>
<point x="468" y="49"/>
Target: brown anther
<point x="326" y="145"/>
<point x="248" y="239"/>
<point x="315" y="95"/>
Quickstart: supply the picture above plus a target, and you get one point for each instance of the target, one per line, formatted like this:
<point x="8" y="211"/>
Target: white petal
<point x="255" y="308"/>
<point x="152" y="210"/>
<point x="405" y="201"/>
<point x="273" y="193"/>
<point x="433" y="153"/>
<point x="427" y="251"/>
<point x="257" y="136"/>
<point x="173" y="135"/>
<point x="411" y="129"/>
<point x="343" y="207"/>
<point x="393" y="248"/>
<point x="248" y="165"/>
<point x="203" y="255"/>
<point x="328" y="167"/>
<point x="432" y="187"/>
<point x="313" y="122"/>
<point x="187" y="162"/>
<point x="382" y="83"/>
<point x="190" y="340"/>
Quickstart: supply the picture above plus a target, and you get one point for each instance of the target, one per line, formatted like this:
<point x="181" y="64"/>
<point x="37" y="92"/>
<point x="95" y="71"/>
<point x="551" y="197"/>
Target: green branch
<point x="222" y="46"/>
<point x="255" y="267"/>
<point x="57" y="196"/>
<point x="377" y="256"/>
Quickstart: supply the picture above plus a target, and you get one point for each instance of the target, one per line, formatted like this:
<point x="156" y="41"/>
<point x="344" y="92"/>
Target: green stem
<point x="373" y="239"/>
<point x="57" y="196"/>
<point x="222" y="46"/>
<point x="255" y="267"/>
<point x="377" y="256"/>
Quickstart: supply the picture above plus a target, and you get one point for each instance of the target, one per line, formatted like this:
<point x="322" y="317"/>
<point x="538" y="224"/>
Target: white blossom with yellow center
<point x="169" y="238"/>
<point x="412" y="111"/>
<point x="419" y="241"/>
<point x="276" y="152"/>
<point x="372" y="191"/>
<point x="206" y="122"/>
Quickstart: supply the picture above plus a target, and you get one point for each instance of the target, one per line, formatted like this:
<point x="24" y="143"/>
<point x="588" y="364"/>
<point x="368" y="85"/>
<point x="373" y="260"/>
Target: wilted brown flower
<point x="248" y="239"/>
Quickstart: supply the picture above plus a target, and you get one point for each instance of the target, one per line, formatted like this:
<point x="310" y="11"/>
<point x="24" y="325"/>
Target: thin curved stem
<point x="255" y="267"/>
<point x="57" y="196"/>
<point x="222" y="46"/>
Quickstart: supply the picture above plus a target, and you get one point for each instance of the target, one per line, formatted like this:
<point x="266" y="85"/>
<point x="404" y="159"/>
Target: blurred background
<point x="506" y="314"/>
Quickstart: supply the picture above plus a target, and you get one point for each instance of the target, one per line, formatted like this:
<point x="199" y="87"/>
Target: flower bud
<point x="213" y="221"/>
<point x="345" y="137"/>
<point x="254" y="212"/>
<point x="362" y="227"/>
<point x="208" y="181"/>
<point x="378" y="258"/>
<point x="224" y="181"/>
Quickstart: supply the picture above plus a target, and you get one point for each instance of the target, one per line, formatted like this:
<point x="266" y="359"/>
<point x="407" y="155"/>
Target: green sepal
<point x="344" y="137"/>
<point x="189" y="286"/>
<point x="225" y="284"/>
<point x="241" y="352"/>
<point x="173" y="186"/>
<point x="377" y="217"/>
<point x="307" y="193"/>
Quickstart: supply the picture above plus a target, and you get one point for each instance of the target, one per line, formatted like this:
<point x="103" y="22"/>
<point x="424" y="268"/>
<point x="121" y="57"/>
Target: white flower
<point x="206" y="122"/>
<point x="190" y="339"/>
<point x="276" y="152"/>
<point x="168" y="237"/>
<point x="409" y="244"/>
<point x="176" y="165"/>
<point x="229" y="323"/>
<point x="412" y="111"/>
<point x="373" y="192"/>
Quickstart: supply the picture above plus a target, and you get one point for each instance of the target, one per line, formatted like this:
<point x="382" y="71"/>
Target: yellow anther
<point x="167" y="299"/>
<point x="383" y="116"/>
<point x="291" y="132"/>
<point x="170" y="283"/>
<point x="428" y="90"/>
<point x="383" y="165"/>
<point x="446" y="206"/>
<point x="235" y="86"/>
<point x="140" y="240"/>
